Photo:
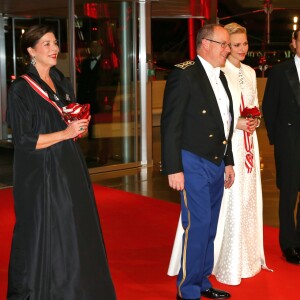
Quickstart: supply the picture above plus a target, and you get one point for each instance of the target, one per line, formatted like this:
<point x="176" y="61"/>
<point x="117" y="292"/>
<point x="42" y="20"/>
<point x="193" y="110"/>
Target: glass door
<point x="105" y="32"/>
<point x="106" y="79"/>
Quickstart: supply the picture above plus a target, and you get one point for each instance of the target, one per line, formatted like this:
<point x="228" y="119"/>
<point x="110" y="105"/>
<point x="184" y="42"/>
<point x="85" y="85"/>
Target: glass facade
<point x="106" y="78"/>
<point x="98" y="52"/>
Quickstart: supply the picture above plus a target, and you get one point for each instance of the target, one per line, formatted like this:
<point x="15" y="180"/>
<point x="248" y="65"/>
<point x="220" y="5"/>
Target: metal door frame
<point x="3" y="92"/>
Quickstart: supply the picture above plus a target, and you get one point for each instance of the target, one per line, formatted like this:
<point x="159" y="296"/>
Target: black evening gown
<point x="57" y="251"/>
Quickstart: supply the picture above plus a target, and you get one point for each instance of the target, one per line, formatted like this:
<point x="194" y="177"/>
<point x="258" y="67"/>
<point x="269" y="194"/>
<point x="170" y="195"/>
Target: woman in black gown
<point x="57" y="251"/>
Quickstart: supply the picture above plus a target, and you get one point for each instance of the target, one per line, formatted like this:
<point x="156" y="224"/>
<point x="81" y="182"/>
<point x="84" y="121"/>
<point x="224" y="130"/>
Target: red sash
<point x="43" y="94"/>
<point x="248" y="143"/>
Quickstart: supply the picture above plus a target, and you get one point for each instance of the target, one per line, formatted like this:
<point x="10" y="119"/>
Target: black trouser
<point x="287" y="157"/>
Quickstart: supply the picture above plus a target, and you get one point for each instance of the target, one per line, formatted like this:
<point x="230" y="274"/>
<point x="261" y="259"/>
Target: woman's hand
<point x="85" y="132"/>
<point x="247" y="124"/>
<point x="77" y="128"/>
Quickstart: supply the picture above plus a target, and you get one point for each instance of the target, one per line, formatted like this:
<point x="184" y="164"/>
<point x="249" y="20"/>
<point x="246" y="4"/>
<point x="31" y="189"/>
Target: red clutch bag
<point x="75" y="111"/>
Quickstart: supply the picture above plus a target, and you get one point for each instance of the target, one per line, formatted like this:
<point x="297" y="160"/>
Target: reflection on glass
<point x="105" y="71"/>
<point x="100" y="65"/>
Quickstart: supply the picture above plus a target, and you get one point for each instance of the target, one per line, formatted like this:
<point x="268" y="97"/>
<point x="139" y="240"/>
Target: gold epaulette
<point x="185" y="64"/>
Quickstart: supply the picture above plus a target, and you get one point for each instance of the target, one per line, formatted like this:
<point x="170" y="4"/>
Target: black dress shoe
<point x="215" y="294"/>
<point x="292" y="256"/>
<point x="179" y="298"/>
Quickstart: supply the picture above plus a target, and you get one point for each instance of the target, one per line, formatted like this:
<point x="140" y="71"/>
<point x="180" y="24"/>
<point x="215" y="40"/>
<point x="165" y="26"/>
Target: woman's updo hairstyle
<point x="31" y="37"/>
<point x="233" y="28"/>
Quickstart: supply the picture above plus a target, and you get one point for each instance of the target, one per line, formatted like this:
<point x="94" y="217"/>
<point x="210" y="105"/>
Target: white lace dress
<point x="239" y="251"/>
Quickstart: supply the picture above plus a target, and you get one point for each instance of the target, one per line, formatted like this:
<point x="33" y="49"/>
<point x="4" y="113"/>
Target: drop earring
<point x="33" y="61"/>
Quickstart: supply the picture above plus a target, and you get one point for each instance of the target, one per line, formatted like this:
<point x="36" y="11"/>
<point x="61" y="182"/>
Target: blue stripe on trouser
<point x="204" y="185"/>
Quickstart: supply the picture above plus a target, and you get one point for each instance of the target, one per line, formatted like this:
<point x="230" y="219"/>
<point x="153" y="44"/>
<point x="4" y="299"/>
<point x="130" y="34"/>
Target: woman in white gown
<point x="239" y="251"/>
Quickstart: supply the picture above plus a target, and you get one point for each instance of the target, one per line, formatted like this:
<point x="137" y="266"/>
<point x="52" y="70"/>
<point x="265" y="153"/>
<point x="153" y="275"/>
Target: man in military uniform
<point x="196" y="130"/>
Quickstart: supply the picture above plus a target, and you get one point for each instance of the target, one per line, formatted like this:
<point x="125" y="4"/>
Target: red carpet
<point x="139" y="234"/>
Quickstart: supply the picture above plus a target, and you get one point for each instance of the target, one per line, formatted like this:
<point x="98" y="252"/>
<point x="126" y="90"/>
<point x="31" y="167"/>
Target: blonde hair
<point x="233" y="28"/>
